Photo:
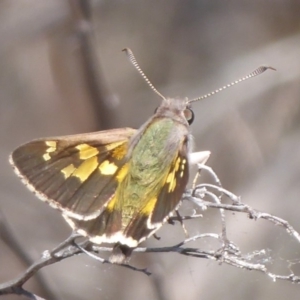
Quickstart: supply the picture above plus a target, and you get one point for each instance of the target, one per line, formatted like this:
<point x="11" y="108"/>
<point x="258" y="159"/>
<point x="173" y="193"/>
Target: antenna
<point x="256" y="72"/>
<point x="132" y="59"/>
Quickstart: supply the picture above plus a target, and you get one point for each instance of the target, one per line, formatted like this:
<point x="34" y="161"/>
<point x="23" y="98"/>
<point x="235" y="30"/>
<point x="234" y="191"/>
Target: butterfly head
<point x="178" y="109"/>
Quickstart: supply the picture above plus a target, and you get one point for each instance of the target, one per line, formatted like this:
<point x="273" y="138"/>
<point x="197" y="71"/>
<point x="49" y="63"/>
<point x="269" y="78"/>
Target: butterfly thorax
<point x="173" y="108"/>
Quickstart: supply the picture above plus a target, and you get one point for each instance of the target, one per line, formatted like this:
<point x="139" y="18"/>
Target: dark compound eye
<point x="189" y="115"/>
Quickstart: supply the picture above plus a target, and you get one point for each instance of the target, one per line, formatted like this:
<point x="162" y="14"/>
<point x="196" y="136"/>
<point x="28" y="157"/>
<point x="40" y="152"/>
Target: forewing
<point x="76" y="174"/>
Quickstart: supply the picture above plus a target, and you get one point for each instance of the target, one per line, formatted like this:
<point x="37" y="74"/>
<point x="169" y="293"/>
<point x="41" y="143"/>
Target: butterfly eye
<point x="189" y="115"/>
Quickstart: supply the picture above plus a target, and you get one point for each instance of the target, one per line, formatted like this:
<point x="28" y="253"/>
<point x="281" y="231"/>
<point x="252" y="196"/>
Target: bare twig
<point x="227" y="252"/>
<point x="253" y="214"/>
<point x="8" y="236"/>
<point x="15" y="286"/>
<point x="145" y="271"/>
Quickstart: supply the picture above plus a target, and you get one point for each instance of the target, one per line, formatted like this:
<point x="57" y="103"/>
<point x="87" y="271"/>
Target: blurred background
<point x="60" y="75"/>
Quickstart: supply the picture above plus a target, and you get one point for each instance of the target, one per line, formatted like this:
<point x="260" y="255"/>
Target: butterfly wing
<point x="147" y="216"/>
<point x="76" y="173"/>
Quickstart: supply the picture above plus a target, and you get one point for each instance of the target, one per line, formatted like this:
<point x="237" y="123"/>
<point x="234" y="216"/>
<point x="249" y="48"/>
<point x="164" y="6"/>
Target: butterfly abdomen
<point x="156" y="154"/>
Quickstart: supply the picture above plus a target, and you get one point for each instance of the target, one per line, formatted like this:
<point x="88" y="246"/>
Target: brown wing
<point x="107" y="226"/>
<point x="76" y="173"/>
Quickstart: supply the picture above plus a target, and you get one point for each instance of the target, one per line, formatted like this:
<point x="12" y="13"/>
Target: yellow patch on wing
<point x="111" y="146"/>
<point x="86" y="151"/>
<point x="46" y="156"/>
<point x="120" y="151"/>
<point x="51" y="144"/>
<point x="68" y="171"/>
<point x="122" y="173"/>
<point x="171" y="179"/>
<point x="149" y="207"/>
<point x="119" y="177"/>
<point x="183" y="163"/>
<point x="86" y="169"/>
<point x="108" y="168"/>
<point x="111" y="204"/>
<point x="51" y="147"/>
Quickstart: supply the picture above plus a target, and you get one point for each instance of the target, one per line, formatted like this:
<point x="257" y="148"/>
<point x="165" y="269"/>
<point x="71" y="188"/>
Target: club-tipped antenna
<point x="256" y="72"/>
<point x="132" y="59"/>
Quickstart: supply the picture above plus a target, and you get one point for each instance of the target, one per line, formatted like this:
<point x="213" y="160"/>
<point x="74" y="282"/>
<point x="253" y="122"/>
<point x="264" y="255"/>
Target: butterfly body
<point x="115" y="186"/>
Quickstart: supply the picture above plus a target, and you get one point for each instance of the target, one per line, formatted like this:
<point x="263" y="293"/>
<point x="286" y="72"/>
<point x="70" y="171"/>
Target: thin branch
<point x="59" y="253"/>
<point x="8" y="236"/>
<point x="227" y="252"/>
<point x="90" y="254"/>
<point x="253" y="214"/>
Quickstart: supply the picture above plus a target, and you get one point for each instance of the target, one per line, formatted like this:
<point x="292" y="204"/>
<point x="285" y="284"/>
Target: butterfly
<point x="116" y="186"/>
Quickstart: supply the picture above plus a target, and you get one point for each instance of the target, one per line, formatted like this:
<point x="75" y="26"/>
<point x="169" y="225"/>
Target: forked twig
<point x="227" y="252"/>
